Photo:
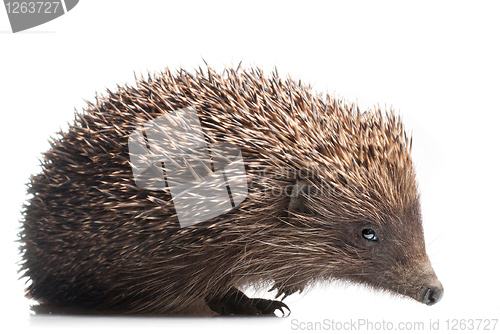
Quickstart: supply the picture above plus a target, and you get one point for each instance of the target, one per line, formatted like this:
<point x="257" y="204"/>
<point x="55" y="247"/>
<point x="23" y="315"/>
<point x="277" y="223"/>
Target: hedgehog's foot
<point x="237" y="303"/>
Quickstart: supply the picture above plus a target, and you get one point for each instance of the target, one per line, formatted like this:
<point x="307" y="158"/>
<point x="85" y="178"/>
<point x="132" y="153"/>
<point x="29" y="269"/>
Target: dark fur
<point x="92" y="238"/>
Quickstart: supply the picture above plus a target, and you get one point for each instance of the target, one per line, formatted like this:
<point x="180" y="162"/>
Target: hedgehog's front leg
<point x="236" y="302"/>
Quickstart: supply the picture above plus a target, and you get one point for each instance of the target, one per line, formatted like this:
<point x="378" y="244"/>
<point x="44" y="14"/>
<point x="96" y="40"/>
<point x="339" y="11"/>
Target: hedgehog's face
<point x="392" y="256"/>
<point x="388" y="254"/>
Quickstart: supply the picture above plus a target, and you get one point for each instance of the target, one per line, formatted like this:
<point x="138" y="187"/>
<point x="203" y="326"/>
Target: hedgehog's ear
<point x="298" y="198"/>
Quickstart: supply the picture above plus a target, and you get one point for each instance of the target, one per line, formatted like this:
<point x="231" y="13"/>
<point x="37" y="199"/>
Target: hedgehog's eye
<point x="369" y="234"/>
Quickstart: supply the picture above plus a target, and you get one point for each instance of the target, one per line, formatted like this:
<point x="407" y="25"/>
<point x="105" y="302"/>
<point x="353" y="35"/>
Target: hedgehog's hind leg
<point x="237" y="303"/>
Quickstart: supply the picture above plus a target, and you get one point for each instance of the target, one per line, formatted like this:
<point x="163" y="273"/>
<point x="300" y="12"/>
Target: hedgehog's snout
<point x="432" y="294"/>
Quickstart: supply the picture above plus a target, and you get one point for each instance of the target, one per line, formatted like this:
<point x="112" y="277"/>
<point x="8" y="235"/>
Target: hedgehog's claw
<point x="267" y="306"/>
<point x="280" y="306"/>
<point x="285" y="291"/>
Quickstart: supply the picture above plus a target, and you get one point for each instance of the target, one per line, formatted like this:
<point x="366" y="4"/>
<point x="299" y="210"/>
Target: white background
<point x="435" y="62"/>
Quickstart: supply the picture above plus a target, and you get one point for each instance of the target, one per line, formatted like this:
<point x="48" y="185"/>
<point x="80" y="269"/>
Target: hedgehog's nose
<point x="432" y="294"/>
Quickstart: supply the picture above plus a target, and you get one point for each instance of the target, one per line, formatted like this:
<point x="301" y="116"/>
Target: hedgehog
<point x="329" y="195"/>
